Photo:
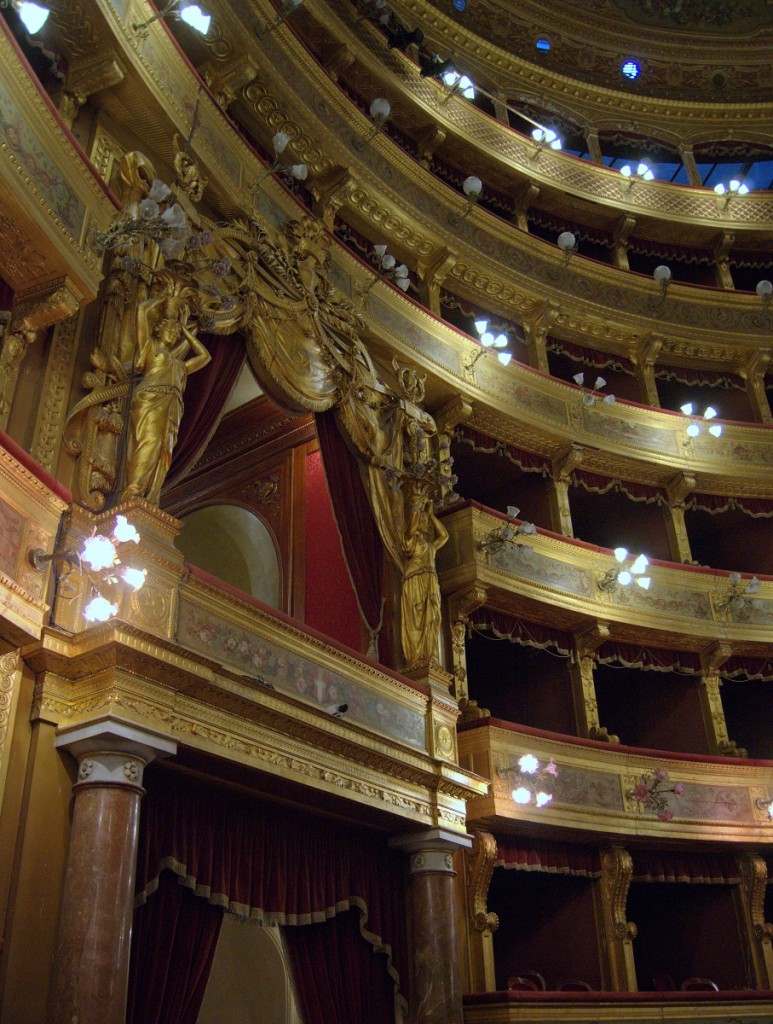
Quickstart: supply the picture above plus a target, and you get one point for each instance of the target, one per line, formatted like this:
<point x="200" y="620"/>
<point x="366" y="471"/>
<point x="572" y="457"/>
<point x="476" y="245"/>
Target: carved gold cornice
<point x="505" y="159"/>
<point x="729" y="1009"/>
<point x="51" y="199"/>
<point x="550" y="580"/>
<point x="678" y="64"/>
<point x="719" y="800"/>
<point x="119" y="668"/>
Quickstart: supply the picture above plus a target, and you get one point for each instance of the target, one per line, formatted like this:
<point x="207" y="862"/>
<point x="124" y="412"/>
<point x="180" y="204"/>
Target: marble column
<point x="436" y="985"/>
<point x="91" y="962"/>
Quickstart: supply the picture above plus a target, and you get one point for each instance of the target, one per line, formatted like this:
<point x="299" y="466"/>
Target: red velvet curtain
<point x="590" y="356"/>
<point x="271" y="863"/>
<point x="206" y="393"/>
<point x="339" y="978"/>
<point x="654" y="659"/>
<point x="601" y="484"/>
<point x="174" y="938"/>
<point x="521" y="854"/>
<point x="757" y="508"/>
<point x="741" y="667"/>
<point x="530" y="634"/>
<point x="704" y="869"/>
<point x="363" y="549"/>
<point x="527" y="461"/>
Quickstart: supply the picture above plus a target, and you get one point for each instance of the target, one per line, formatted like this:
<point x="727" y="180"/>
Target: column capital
<point x="113" y="751"/>
<point x="432" y="849"/>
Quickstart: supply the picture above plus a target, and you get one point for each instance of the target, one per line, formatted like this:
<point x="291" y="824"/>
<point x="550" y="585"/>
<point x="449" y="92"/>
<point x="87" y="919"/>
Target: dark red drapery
<point x="174" y="937"/>
<point x="527" y="461"/>
<point x="702" y="869"/>
<point x="741" y="667"/>
<point x="521" y="854"/>
<point x="590" y="356"/>
<point x="338" y="977"/>
<point x="271" y="863"/>
<point x="206" y="393"/>
<point x="530" y="634"/>
<point x="363" y="549"/>
<point x="630" y="488"/>
<point x="655" y="659"/>
<point x="757" y="508"/>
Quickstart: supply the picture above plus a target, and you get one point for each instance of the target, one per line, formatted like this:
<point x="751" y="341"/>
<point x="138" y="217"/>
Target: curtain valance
<point x="268" y="862"/>
<point x="757" y="508"/>
<point x="521" y="854"/>
<point x="631" y="489"/>
<point x="704" y="378"/>
<point x="739" y="667"/>
<point x="654" y="659"/>
<point x="590" y="356"/>
<point x="527" y="461"/>
<point x="528" y="634"/>
<point x="701" y="869"/>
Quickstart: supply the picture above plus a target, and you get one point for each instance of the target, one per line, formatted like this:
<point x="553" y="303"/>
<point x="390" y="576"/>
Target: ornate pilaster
<point x="459" y="607"/>
<point x="433" y="270"/>
<point x="481" y="924"/>
<point x="753" y="372"/>
<point x="524" y="196"/>
<point x="688" y="159"/>
<point x="10" y="680"/>
<point x="54" y="390"/>
<point x="713" y="713"/>
<point x="330" y="191"/>
<point x="757" y="932"/>
<point x="536" y="329"/>
<point x="623" y="229"/>
<point x="426" y="144"/>
<point x="91" y="962"/>
<point x="722" y="247"/>
<point x="436" y="988"/>
<point x="678" y="490"/>
<point x="644" y="358"/>
<point x="586" y="708"/>
<point x="618" y="971"/>
<point x="14" y="349"/>
<point x="560" y="509"/>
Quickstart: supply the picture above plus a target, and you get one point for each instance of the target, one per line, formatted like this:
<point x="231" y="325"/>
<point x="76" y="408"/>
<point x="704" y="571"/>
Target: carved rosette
<point x="479" y="863"/>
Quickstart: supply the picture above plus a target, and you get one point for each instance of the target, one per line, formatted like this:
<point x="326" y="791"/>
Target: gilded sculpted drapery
<point x="176" y="273"/>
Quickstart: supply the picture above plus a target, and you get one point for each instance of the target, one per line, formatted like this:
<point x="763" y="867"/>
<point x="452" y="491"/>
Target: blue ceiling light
<point x="543" y="45"/>
<point x="631" y="69"/>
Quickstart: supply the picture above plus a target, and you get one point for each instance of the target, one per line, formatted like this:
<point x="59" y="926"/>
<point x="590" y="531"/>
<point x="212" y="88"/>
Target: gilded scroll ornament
<point x="480" y="867"/>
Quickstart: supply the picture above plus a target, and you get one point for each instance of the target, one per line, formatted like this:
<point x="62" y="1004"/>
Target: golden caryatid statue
<point x="305" y="343"/>
<point x="167" y="351"/>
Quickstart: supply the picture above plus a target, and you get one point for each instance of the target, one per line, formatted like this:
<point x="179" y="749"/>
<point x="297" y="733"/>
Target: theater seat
<point x="520" y="984"/>
<point x="574" y="985"/>
<point x="699" y="985"/>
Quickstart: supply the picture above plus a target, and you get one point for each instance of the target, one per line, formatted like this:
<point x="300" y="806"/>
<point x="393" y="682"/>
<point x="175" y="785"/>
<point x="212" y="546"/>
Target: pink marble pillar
<point x="436" y="988"/>
<point x="91" y="965"/>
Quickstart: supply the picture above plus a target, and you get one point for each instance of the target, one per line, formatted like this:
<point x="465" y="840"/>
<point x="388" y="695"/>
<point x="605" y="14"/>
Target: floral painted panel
<point x="664" y="600"/>
<point x="626" y="431"/>
<point x="11" y="527"/>
<point x="27" y="151"/>
<point x="286" y="671"/>
<point x="578" y="787"/>
<point x="714" y="803"/>
<point x="522" y="560"/>
<point x="423" y="341"/>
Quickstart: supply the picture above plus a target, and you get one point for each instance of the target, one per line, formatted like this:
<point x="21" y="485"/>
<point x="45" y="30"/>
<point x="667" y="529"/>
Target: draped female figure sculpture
<point x="162" y="360"/>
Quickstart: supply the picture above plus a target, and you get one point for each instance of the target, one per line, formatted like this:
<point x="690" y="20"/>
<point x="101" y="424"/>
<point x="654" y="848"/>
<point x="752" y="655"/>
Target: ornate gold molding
<point x="480" y="867"/>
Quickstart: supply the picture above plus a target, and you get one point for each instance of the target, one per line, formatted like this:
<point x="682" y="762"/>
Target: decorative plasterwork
<point x="593" y="787"/>
<point x="555" y="581"/>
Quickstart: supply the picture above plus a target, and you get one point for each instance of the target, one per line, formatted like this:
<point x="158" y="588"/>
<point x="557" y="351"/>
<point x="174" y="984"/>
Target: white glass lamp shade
<point x="98" y="552"/>
<point x="299" y="171"/>
<point x="644" y="172"/>
<point x="279" y="142"/>
<point x="599" y="383"/>
<point x="626" y="170"/>
<point x="33" y="16"/>
<point x="124" y="531"/>
<point x="542" y="799"/>
<point x="720" y="189"/>
<point x="608" y="400"/>
<point x="621" y="554"/>
<point x="487" y="339"/>
<point x="500" y="341"/>
<point x="134" y="577"/>
<point x="99" y="609"/>
<point x="687" y="408"/>
<point x="693" y="430"/>
<point x="504" y="358"/>
<point x="640" y="565"/>
<point x="380" y="109"/>
<point x="481" y="326"/>
<point x="472" y="187"/>
<point x="715" y="430"/>
<point x="193" y="15"/>
<point x="624" y="578"/>
<point x="468" y="89"/>
<point x="512" y="511"/>
<point x="764" y="288"/>
<point x="403" y="282"/>
<point x="662" y="273"/>
<point x="566" y="241"/>
<point x="450" y="78"/>
<point x="528" y="764"/>
<point x="380" y="249"/>
<point x="644" y="582"/>
<point x="587" y="399"/>
<point x="388" y="261"/>
<point x="522" y="795"/>
<point x="578" y="379"/>
<point x="710" y="412"/>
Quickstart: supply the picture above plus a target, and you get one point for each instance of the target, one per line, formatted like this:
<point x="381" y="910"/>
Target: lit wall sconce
<point x="387" y="267"/>
<point x="764" y="290"/>
<point x="472" y="188"/>
<point x="623" y="575"/>
<point x="738" y="593"/>
<point x="533" y="781"/>
<point x="490" y="341"/>
<point x="545" y="138"/>
<point x="589" y="398"/>
<point x="662" y="276"/>
<point x="98" y="561"/>
<point x="568" y="244"/>
<point x="456" y="83"/>
<point x="33" y="16"/>
<point x="288" y="7"/>
<point x="643" y="172"/>
<point x="280" y="142"/>
<point x="765" y="805"/>
<point x="735" y="188"/>
<point x="694" y="426"/>
<point x="180" y="10"/>
<point x="511" y="533"/>
<point x="380" y="109"/>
